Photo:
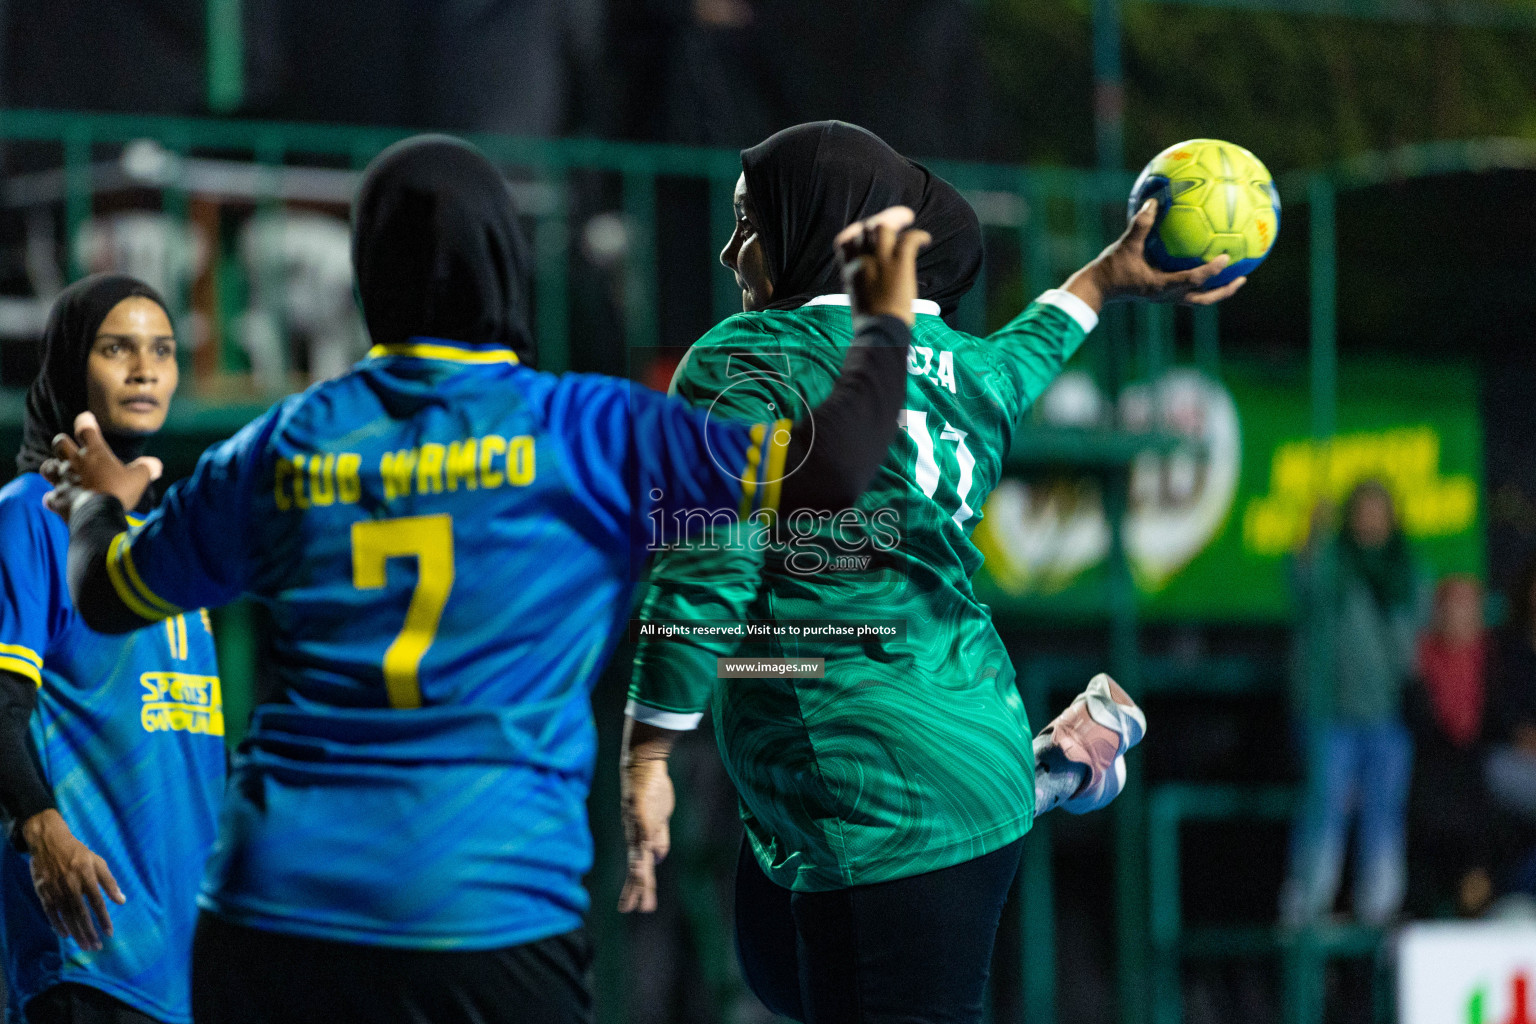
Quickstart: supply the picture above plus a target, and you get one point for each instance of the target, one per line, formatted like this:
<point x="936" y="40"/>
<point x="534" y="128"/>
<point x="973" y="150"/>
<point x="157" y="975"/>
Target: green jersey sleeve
<point x="1028" y="352"/>
<point x="737" y="370"/>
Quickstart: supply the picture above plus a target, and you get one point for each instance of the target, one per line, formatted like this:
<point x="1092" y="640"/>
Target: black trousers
<point x="72" y="1003"/>
<point x="248" y="976"/>
<point x="912" y="951"/>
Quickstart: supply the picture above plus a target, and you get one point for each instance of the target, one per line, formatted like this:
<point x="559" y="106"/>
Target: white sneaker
<point x="1095" y="731"/>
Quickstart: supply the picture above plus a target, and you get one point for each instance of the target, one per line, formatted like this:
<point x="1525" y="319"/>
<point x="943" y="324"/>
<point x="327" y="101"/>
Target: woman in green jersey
<point x="884" y="793"/>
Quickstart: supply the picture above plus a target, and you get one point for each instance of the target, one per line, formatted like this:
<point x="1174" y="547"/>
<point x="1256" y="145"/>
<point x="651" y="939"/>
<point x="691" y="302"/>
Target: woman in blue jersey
<point x="448" y="540"/>
<point x="111" y="747"/>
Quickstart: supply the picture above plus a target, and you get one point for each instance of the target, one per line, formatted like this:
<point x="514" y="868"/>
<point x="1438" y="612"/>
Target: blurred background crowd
<point x="1316" y="569"/>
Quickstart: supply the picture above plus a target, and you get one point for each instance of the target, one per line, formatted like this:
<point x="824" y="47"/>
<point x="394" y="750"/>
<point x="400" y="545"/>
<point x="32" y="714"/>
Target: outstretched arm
<point x="1030" y="351"/>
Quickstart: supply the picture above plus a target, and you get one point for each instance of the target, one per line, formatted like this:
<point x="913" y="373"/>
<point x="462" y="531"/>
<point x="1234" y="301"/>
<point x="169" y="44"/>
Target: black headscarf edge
<point x="808" y="182"/>
<point x="437" y="249"/>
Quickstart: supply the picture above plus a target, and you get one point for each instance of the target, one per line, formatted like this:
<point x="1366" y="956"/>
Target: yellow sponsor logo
<point x="1405" y="459"/>
<point x="181" y="702"/>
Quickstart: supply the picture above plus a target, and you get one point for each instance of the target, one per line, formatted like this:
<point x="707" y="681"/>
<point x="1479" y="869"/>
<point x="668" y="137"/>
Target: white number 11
<point x="915" y="423"/>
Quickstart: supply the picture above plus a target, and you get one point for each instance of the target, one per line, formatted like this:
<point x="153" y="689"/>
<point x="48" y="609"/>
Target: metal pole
<point x="1304" y="965"/>
<point x="78" y="193"/>
<point x="1108" y="86"/>
<point x="552" y="244"/>
<point x="1130" y="807"/>
<point x="1037" y="898"/>
<point x="225" y="56"/>
<point x="640" y="282"/>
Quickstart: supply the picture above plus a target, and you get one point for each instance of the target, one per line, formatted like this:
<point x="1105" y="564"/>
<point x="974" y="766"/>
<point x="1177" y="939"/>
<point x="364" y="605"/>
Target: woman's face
<point x="744" y="256"/>
<point x="131" y="372"/>
<point x="1370" y="519"/>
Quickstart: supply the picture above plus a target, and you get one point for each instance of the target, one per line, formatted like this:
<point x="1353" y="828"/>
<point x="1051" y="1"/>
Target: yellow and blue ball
<point x="1213" y="197"/>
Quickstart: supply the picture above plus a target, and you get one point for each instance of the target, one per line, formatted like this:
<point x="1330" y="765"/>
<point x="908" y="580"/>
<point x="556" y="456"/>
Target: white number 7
<point x="915" y="423"/>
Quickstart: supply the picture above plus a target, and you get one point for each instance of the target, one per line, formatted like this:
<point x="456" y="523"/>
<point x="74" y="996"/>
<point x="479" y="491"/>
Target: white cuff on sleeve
<point x="1073" y="306"/>
<point x="677" y="721"/>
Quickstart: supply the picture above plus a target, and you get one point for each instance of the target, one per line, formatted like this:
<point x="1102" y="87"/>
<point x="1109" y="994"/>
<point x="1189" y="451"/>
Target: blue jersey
<point x="448" y="543"/>
<point x="130" y="732"/>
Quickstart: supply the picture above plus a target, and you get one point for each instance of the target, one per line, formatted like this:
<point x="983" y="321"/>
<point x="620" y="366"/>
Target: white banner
<point x="1467" y="973"/>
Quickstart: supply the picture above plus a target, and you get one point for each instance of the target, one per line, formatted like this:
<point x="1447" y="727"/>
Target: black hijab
<point x="437" y="249"/>
<point x="58" y="394"/>
<point x="808" y="182"/>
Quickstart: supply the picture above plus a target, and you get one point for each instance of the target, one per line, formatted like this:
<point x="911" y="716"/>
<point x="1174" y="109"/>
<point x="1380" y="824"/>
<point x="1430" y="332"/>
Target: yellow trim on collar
<point x="424" y="350"/>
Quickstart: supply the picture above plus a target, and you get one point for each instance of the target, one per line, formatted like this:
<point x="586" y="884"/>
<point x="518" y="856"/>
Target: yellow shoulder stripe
<point x="457" y="355"/>
<point x="749" y="471"/>
<point x="130" y="587"/>
<point x="18" y="651"/>
<point x="773" y="466"/>
<point x="21" y="667"/>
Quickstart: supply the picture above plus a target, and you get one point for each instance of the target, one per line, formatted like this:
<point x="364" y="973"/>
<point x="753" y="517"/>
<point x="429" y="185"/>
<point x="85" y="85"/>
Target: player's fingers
<point x="77" y="918"/>
<point x="1215" y="295"/>
<point x="909" y="244"/>
<point x="850" y="241"/>
<point x="661" y="844"/>
<point x="1197" y="277"/>
<point x="151" y="465"/>
<point x="98" y="904"/>
<point x="881" y="238"/>
<point x="60" y="499"/>
<point x="639" y="885"/>
<point x="89" y="431"/>
<point x="1141" y="224"/>
<point x="65" y="449"/>
<point x="897" y="218"/>
<point x="109" y="883"/>
<point x="54" y="911"/>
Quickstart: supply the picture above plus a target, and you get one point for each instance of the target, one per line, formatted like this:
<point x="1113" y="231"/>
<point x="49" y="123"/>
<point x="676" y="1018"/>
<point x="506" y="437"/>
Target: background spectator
<point x="1374" y="604"/>
<point x="1450" y="844"/>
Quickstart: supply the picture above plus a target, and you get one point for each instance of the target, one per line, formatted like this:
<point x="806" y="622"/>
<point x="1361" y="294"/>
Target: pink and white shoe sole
<point x="1095" y="731"/>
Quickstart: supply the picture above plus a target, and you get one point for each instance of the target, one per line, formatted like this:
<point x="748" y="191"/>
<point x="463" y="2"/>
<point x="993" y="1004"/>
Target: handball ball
<point x="1212" y="197"/>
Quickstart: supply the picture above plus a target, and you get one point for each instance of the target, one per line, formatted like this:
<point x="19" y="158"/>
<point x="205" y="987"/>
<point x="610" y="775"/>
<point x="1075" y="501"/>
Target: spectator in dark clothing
<point x="1363" y="748"/>
<point x="1450" y="843"/>
<point x="1511" y="763"/>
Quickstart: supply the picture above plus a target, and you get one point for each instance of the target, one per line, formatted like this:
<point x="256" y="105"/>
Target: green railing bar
<point x="1461" y="12"/>
<point x="1207" y="331"/>
<point x="1034" y="239"/>
<point x="225" y="56"/>
<point x="642" y="332"/>
<point x="236" y="648"/>
<point x="77" y="191"/>
<point x="176" y="204"/>
<point x="551" y="243"/>
<point x="1037" y="895"/>
<point x="1169" y="806"/>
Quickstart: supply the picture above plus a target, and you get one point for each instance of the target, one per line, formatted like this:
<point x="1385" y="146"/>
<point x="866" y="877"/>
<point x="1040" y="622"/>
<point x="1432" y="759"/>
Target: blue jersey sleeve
<point x="30" y="582"/>
<point x="195" y="550"/>
<point x="635" y="451"/>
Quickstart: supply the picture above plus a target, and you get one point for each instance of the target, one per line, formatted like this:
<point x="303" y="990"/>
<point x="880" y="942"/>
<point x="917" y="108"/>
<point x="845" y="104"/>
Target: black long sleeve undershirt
<point x="93" y="523"/>
<point x="853" y="431"/>
<point x="854" y="425"/>
<point x="23" y="790"/>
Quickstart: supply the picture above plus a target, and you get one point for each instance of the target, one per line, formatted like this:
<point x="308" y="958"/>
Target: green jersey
<point x="912" y="752"/>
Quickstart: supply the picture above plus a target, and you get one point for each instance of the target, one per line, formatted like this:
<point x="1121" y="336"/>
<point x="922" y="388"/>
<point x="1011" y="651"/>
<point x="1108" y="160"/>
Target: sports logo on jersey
<point x="180" y="702"/>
